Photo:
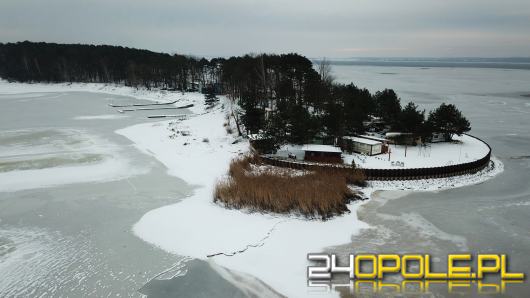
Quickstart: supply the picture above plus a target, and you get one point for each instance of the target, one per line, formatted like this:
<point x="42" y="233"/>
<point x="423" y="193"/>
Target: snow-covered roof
<point x="257" y="136"/>
<point x="363" y="140"/>
<point x="373" y="138"/>
<point x="397" y="134"/>
<point x="321" y="148"/>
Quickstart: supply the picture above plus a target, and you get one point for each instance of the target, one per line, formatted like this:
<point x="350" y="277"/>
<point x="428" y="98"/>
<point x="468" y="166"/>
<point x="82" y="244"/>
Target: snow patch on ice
<point x="38" y="90"/>
<point x="111" y="169"/>
<point x="40" y="158"/>
<point x="100" y="117"/>
<point x="426" y="229"/>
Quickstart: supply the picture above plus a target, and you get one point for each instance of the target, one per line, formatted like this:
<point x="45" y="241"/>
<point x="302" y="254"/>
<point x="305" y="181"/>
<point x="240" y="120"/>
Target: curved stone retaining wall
<point x="392" y="174"/>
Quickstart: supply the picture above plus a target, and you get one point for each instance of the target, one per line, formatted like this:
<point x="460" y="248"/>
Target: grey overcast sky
<point x="315" y="28"/>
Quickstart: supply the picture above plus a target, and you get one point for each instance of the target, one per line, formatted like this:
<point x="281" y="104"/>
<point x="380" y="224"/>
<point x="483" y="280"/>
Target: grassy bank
<point x="317" y="194"/>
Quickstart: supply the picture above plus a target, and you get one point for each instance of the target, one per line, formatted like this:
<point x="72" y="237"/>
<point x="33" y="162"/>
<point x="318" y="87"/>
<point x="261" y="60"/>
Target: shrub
<point x="317" y="194"/>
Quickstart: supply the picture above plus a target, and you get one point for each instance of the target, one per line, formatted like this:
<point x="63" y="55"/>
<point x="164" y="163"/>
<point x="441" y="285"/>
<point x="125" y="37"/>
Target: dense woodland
<point x="49" y="62"/>
<point x="284" y="97"/>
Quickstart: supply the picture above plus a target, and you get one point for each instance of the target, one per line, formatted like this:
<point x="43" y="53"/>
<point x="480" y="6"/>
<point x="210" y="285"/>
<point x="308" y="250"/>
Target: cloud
<point x="312" y="27"/>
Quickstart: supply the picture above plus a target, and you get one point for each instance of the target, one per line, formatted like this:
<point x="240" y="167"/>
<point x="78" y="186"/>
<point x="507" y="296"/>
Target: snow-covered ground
<point x="270" y="247"/>
<point x="464" y="149"/>
<point x="197" y="227"/>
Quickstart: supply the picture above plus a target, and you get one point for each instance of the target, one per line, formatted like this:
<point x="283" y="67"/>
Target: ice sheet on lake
<point x="47" y="157"/>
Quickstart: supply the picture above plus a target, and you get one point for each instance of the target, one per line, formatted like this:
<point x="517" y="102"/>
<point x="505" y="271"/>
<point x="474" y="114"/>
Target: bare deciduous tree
<point x="325" y="71"/>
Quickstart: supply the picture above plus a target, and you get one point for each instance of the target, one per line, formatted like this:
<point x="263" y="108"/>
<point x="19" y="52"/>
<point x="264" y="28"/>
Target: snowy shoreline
<point x="196" y="227"/>
<point x="274" y="246"/>
<point x="35" y="90"/>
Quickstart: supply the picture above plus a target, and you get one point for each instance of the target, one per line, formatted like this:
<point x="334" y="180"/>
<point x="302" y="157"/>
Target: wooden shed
<point x="261" y="143"/>
<point x="322" y="153"/>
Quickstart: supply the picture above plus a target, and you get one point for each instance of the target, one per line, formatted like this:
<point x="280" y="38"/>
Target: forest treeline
<point x="50" y="62"/>
<point x="284" y="97"/>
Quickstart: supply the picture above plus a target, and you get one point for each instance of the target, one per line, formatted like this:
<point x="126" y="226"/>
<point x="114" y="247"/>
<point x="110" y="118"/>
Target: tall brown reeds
<point x="317" y="194"/>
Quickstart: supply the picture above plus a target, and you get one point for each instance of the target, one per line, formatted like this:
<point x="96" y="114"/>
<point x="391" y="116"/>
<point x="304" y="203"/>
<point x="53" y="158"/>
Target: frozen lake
<point x="71" y="189"/>
<point x="492" y="217"/>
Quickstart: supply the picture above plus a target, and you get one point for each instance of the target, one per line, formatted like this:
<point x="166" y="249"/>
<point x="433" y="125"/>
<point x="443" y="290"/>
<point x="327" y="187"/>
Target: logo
<point x="415" y="270"/>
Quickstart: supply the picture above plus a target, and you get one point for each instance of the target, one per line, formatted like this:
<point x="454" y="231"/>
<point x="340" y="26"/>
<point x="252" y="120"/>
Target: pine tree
<point x="448" y="120"/>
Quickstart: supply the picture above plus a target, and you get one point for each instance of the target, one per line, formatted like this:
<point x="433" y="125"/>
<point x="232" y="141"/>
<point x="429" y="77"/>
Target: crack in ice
<point x="259" y="244"/>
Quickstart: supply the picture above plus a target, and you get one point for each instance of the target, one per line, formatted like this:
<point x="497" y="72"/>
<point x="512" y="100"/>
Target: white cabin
<point x="363" y="146"/>
<point x="437" y="137"/>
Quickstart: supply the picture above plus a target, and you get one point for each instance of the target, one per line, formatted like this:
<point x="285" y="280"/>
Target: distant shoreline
<point x="499" y="63"/>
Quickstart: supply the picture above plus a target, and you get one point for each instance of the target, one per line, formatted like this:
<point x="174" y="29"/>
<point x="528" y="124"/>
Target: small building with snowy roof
<point x="322" y="153"/>
<point x="363" y="145"/>
<point x="376" y="138"/>
<point x="261" y="143"/>
<point x="437" y="137"/>
<point x="404" y="138"/>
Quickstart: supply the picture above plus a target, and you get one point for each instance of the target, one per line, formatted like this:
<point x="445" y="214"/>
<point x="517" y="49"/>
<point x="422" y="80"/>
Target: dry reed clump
<point x="318" y="194"/>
